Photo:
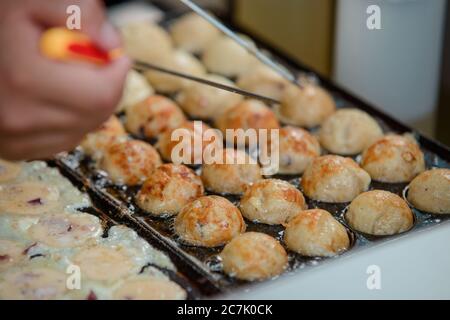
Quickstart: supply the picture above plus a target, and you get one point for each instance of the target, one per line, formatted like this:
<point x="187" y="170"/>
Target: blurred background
<point x="402" y="68"/>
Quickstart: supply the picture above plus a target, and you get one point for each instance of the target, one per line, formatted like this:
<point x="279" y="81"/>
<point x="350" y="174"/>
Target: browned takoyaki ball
<point x="153" y="116"/>
<point x="379" y="213"/>
<point x="209" y="222"/>
<point x="254" y="256"/>
<point x="315" y="233"/>
<point x="430" y="191"/>
<point x="334" y="179"/>
<point x="272" y="202"/>
<point x="308" y="106"/>
<point x="393" y="159"/>
<point x="349" y="132"/>
<point x="130" y="162"/>
<point x="232" y="174"/>
<point x="96" y="143"/>
<point x="169" y="188"/>
<point x="249" y="114"/>
<point x="186" y="144"/>
<point x="297" y="149"/>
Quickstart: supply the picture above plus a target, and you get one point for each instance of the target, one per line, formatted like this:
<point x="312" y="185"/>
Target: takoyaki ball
<point x="430" y="191"/>
<point x="264" y="81"/>
<point x="153" y="116"/>
<point x="9" y="170"/>
<point x="233" y="174"/>
<point x="308" y="106"/>
<point x="297" y="149"/>
<point x="393" y="159"/>
<point x="379" y="213"/>
<point x="169" y="188"/>
<point x="130" y="162"/>
<point x="349" y="132"/>
<point x="181" y="142"/>
<point x="96" y="143"/>
<point x="225" y="57"/>
<point x="149" y="288"/>
<point x="135" y="90"/>
<point x="146" y="41"/>
<point x="33" y="284"/>
<point x="180" y="61"/>
<point x="272" y="202"/>
<point x="254" y="256"/>
<point x="28" y="198"/>
<point x="65" y="230"/>
<point x="209" y="221"/>
<point x="334" y="179"/>
<point x="11" y="253"/>
<point x="193" y="33"/>
<point x="205" y="102"/>
<point x="316" y="233"/>
<point x="104" y="263"/>
<point x="249" y="114"/>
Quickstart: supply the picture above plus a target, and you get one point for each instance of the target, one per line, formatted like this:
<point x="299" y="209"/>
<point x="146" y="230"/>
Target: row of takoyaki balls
<point x="212" y="221"/>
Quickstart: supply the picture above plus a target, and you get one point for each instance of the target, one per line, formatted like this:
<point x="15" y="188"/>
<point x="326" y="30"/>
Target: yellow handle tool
<point x="69" y="45"/>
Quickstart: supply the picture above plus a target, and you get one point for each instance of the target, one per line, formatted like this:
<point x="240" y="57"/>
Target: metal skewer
<point x="247" y="45"/>
<point x="140" y="65"/>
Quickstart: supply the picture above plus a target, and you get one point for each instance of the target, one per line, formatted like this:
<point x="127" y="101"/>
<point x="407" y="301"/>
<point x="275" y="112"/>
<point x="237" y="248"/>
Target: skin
<point x="47" y="106"/>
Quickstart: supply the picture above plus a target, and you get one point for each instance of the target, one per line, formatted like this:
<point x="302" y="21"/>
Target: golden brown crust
<point x="349" y="132"/>
<point x="169" y="188"/>
<point x="334" y="179"/>
<point x="316" y="233"/>
<point x="254" y="256"/>
<point x="166" y="144"/>
<point x="209" y="222"/>
<point x="153" y="116"/>
<point x="249" y="114"/>
<point x="393" y="159"/>
<point x="229" y="177"/>
<point x="96" y="143"/>
<point x="272" y="201"/>
<point x="379" y="212"/>
<point x="430" y="191"/>
<point x="130" y="162"/>
<point x="298" y="148"/>
<point x="307" y="107"/>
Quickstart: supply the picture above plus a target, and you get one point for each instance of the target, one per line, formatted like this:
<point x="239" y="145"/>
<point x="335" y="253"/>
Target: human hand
<point x="47" y="106"/>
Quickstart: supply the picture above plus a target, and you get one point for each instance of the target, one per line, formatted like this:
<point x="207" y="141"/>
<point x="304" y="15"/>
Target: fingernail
<point x="109" y="37"/>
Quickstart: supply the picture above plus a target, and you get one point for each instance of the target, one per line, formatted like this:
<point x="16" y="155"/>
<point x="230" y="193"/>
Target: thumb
<point x="50" y="13"/>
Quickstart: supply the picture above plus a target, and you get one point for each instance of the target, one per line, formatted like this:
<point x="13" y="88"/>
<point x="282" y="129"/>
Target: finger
<point x="30" y="117"/>
<point x="39" y="146"/>
<point x="50" y="13"/>
<point x="84" y="88"/>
